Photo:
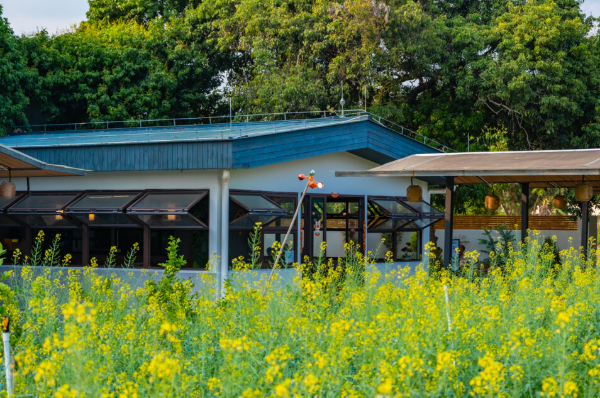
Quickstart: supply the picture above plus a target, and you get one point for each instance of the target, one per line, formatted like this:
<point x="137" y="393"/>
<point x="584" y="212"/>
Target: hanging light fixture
<point x="559" y="201"/>
<point x="414" y="193"/>
<point x="92" y="217"/>
<point x="583" y="191"/>
<point x="8" y="189"/>
<point x="492" y="202"/>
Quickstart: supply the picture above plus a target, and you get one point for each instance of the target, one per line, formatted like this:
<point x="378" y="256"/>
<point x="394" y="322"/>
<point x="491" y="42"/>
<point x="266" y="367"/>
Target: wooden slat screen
<point x="538" y="223"/>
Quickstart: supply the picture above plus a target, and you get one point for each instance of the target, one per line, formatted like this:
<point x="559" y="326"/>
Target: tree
<point x="14" y="76"/>
<point x="138" y="11"/>
<point x="125" y="71"/>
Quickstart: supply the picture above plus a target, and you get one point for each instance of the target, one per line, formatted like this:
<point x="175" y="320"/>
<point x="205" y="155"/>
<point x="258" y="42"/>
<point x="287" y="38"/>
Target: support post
<point x="584" y="226"/>
<point x="449" y="219"/>
<point x="224" y="230"/>
<point x="85" y="244"/>
<point x="524" y="210"/>
<point x="146" y="247"/>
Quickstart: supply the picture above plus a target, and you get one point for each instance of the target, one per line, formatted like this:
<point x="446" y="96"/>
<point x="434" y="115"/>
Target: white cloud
<point x="27" y="16"/>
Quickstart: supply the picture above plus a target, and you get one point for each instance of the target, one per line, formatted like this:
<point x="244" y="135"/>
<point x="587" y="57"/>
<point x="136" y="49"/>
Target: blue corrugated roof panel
<point x="202" y="132"/>
<point x="217" y="146"/>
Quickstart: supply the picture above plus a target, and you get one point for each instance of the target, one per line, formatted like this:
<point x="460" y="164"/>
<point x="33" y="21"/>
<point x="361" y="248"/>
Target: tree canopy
<point x="13" y="78"/>
<point x="480" y="73"/>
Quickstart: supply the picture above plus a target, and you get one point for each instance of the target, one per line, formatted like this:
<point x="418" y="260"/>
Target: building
<point x="209" y="184"/>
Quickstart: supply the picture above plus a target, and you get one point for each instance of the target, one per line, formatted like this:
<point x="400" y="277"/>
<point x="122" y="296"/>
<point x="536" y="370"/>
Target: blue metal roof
<point x="216" y="146"/>
<point x="147" y="135"/>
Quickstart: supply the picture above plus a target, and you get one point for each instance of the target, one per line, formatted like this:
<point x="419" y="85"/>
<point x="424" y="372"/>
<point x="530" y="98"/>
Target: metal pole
<point x="286" y="236"/>
<point x="7" y="362"/>
<point x="584" y="226"/>
<point x="524" y="210"/>
<point x="449" y="219"/>
<point x="229" y="113"/>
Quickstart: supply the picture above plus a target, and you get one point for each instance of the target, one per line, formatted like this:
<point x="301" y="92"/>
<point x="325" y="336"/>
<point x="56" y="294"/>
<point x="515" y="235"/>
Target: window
<point x="12" y="234"/>
<point x="43" y="210"/>
<point x="103" y="209"/>
<point x="395" y="225"/>
<point x="181" y="214"/>
<point x="275" y="211"/>
<point x="172" y="210"/>
<point x="247" y="209"/>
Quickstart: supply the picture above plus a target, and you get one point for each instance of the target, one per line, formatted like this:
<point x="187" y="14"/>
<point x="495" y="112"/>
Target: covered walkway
<point x="530" y="169"/>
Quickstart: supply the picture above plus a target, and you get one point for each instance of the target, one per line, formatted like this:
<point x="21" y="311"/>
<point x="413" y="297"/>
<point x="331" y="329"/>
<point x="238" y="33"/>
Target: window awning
<point x="103" y="209"/>
<point x="5" y="220"/>
<point x="43" y="210"/>
<point x="168" y="210"/>
<point x="247" y="209"/>
<point x="388" y="214"/>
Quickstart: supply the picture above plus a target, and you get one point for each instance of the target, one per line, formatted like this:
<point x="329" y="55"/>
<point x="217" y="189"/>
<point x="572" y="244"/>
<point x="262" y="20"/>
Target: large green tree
<point x="522" y="73"/>
<point x="14" y="76"/>
<point x="125" y="70"/>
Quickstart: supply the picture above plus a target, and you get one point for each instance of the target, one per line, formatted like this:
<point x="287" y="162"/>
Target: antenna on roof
<point x="342" y="102"/>
<point x="229" y="112"/>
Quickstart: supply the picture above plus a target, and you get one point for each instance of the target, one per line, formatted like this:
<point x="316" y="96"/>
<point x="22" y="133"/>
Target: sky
<point x="28" y="16"/>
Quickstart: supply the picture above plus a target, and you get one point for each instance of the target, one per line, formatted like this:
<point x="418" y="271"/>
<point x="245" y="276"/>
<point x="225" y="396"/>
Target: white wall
<point x="139" y="180"/>
<point x="282" y="177"/>
<point x="470" y="238"/>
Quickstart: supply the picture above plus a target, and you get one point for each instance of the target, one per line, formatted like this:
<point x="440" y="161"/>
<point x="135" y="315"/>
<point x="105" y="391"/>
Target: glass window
<point x="36" y="202"/>
<point x="102" y="239"/>
<point x="424" y="208"/>
<point x="6" y="221"/>
<point x="391" y="214"/>
<point x="245" y="210"/>
<point x="4" y="203"/>
<point x="174" y="210"/>
<point x="289" y="254"/>
<point x="167" y="201"/>
<point x="71" y="242"/>
<point x="255" y="202"/>
<point x="103" y="201"/>
<point x="44" y="221"/>
<point x="393" y="207"/>
<point x="105" y="220"/>
<point x="404" y="245"/>
<point x="288" y="203"/>
<point x="169" y="220"/>
<point x="12" y="238"/>
<point x="193" y="246"/>
<point x="250" y="220"/>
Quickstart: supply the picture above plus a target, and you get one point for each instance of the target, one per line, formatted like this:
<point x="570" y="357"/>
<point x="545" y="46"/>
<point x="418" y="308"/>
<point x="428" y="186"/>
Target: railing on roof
<point x="228" y="133"/>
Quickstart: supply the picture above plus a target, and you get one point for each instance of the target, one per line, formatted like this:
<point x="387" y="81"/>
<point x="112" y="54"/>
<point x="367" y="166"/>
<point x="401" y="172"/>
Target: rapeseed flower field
<point x="528" y="327"/>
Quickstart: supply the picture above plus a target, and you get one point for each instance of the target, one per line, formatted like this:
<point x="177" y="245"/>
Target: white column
<point x="224" y="229"/>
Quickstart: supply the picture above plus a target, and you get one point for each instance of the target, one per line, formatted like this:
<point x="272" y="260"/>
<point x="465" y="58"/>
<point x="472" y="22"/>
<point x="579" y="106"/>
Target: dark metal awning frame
<point x="415" y="215"/>
<point x="17" y="213"/>
<point x="255" y="211"/>
<point x="176" y="211"/>
<point x="107" y="210"/>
